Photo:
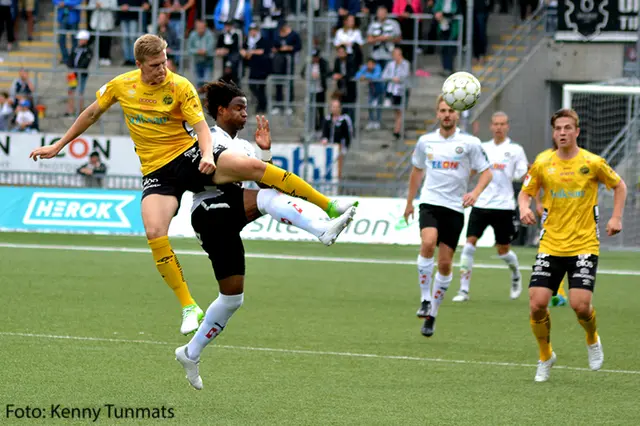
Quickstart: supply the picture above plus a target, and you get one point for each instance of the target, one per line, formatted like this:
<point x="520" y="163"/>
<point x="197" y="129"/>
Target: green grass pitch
<point x="316" y="342"/>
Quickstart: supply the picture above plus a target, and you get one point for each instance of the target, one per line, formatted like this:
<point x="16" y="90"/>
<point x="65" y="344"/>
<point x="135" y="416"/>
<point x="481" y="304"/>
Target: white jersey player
<point x="447" y="156"/>
<point x="496" y="206"/>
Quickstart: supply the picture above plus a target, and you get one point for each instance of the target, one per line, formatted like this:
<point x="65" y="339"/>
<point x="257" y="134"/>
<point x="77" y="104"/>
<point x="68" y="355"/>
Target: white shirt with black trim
<point x="508" y="163"/>
<point x="448" y="163"/>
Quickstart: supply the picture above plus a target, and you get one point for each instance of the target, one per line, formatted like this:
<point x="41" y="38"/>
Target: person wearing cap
<point x="24" y="117"/>
<point x="79" y="59"/>
<point x="255" y="52"/>
<point x="200" y="46"/>
<point x="228" y="46"/>
<point x="93" y="171"/>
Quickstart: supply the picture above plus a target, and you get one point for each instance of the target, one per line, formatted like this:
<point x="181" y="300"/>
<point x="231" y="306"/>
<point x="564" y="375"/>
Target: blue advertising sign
<point x="71" y="210"/>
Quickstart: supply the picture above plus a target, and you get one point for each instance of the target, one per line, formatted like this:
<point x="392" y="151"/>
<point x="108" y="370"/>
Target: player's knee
<point x="537" y="308"/>
<point x="502" y="249"/>
<point x="445" y="266"/>
<point x="154" y="232"/>
<point x="582" y="308"/>
<point x="427" y="249"/>
<point x="254" y="168"/>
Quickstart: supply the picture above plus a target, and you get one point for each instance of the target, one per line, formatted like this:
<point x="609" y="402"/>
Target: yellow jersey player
<point x="569" y="241"/>
<point x="559" y="297"/>
<point x="164" y="116"/>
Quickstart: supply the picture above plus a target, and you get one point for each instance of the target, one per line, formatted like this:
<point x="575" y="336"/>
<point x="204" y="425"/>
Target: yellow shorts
<point x="28" y="5"/>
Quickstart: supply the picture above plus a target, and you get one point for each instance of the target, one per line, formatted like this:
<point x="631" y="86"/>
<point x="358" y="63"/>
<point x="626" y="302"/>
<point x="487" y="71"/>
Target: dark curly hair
<point x="219" y="94"/>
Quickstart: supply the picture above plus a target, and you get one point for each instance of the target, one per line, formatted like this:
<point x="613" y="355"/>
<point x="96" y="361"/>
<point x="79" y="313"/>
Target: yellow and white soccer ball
<point x="461" y="91"/>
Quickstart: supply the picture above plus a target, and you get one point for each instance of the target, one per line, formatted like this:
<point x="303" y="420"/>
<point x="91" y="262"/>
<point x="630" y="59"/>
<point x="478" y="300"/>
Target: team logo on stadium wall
<point x="586" y="17"/>
<point x="167" y="100"/>
<point x="584" y="170"/>
<point x="459" y="150"/>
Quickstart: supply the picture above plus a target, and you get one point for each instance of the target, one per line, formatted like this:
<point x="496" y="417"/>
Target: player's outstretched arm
<point x="85" y="120"/>
<point x="416" y="177"/>
<point x="483" y="181"/>
<point x="614" y="225"/>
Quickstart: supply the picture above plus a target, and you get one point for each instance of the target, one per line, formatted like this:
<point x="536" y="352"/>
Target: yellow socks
<point x="542" y="331"/>
<point x="170" y="269"/>
<point x="293" y="185"/>
<point x="561" y="291"/>
<point x="589" y="325"/>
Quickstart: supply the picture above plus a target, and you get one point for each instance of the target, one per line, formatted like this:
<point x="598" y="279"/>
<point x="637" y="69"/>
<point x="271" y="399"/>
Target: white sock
<point x="441" y="285"/>
<point x="425" y="272"/>
<point x="511" y="259"/>
<point x="466" y="264"/>
<point x="293" y="211"/>
<point x="215" y="320"/>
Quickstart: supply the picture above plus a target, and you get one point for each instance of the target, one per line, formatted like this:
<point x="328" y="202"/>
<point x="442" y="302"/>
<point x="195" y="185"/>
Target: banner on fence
<point x="600" y="21"/>
<point x="118" y="154"/>
<point x="378" y="220"/>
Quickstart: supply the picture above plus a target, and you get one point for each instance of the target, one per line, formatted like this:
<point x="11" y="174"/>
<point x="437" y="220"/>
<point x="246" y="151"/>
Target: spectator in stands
<point x="397" y="72"/>
<point x="382" y="34"/>
<point x="129" y="27"/>
<point x="448" y="28"/>
<point x="371" y="6"/>
<point x="350" y="37"/>
<point x="6" y="111"/>
<point x="94" y="171"/>
<point x="272" y="15"/>
<point x="103" y="19"/>
<point x="285" y="49"/>
<point x="319" y="69"/>
<point x="229" y="75"/>
<point x="404" y="10"/>
<point x="21" y="86"/>
<point x="347" y="8"/>
<point x="256" y="52"/>
<point x="344" y="71"/>
<point x="28" y="7"/>
<point x="167" y="33"/>
<point x="338" y="129"/>
<point x="480" y="17"/>
<point x="175" y="17"/>
<point x="7" y="23"/>
<point x="237" y="11"/>
<point x="228" y="46"/>
<point x="527" y="7"/>
<point x="370" y="72"/>
<point x="68" y="20"/>
<point x="200" y="46"/>
<point x="80" y="59"/>
<point x="24" y="119"/>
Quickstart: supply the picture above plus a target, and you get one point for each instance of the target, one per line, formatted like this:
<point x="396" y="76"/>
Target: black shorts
<point x="449" y="223"/>
<point x="503" y="223"/>
<point x="179" y="175"/>
<point x="217" y="222"/>
<point x="548" y="271"/>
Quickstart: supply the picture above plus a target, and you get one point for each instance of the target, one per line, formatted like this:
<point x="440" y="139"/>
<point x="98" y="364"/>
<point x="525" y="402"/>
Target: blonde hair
<point x="568" y="113"/>
<point x="439" y="101"/>
<point x="148" y="45"/>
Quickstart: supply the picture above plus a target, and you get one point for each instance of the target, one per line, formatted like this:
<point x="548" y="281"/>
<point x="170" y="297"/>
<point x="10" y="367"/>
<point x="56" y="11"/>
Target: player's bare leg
<point x="157" y="212"/>
<point x="466" y="266"/>
<point x="296" y="212"/>
<point x="229" y="300"/>
<point x="441" y="284"/>
<point x="236" y="167"/>
<point x="511" y="259"/>
<point x="580" y="300"/>
<point x="541" y="326"/>
<point x="428" y="239"/>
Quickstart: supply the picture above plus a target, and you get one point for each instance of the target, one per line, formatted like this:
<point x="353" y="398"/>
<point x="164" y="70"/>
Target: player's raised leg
<point x="299" y="213"/>
<point x="157" y="212"/>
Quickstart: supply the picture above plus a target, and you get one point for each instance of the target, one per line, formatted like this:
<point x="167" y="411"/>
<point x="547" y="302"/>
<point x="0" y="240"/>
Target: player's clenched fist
<point x="48" y="151"/>
<point x="527" y="217"/>
<point x="614" y="226"/>
<point x="207" y="165"/>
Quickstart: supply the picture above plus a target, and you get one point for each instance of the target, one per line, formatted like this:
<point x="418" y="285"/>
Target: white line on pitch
<point x="277" y="257"/>
<point x="309" y="352"/>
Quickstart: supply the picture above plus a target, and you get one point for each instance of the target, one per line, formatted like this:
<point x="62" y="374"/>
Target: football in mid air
<point x="461" y="91"/>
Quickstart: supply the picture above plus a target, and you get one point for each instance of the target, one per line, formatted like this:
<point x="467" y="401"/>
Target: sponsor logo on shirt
<point x="567" y="194"/>
<point x="446" y="165"/>
<point x="141" y="119"/>
<point x="498" y="166"/>
<point x="147" y="101"/>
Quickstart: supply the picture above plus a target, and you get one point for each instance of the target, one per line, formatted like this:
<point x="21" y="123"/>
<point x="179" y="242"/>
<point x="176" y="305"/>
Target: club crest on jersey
<point x="507" y="155"/>
<point x="430" y="157"/>
<point x="459" y="150"/>
<point x="447" y="165"/>
<point x="167" y="100"/>
<point x="584" y="170"/>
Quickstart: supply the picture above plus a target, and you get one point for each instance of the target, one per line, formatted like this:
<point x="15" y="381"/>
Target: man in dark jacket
<point x="255" y="51"/>
<point x="79" y="59"/>
<point x="93" y="171"/>
<point x="285" y="50"/>
<point x="338" y="129"/>
<point x="344" y="71"/>
<point x="319" y="69"/>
